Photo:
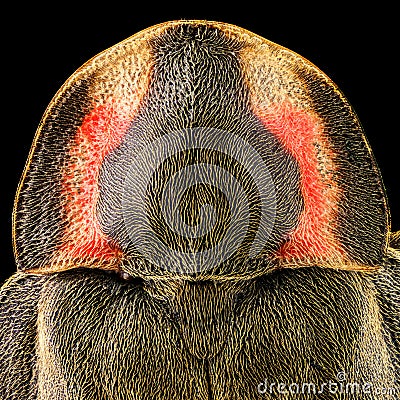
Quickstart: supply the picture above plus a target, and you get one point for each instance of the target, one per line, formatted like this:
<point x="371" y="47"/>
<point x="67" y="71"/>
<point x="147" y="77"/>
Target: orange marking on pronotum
<point x="300" y="133"/>
<point x="101" y="131"/>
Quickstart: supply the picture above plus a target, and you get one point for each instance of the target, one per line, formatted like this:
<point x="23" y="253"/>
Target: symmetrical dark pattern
<point x="201" y="217"/>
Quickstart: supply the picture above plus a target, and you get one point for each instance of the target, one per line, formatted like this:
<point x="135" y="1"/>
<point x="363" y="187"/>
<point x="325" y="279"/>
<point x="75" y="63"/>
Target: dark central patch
<point x="197" y="82"/>
<point x="195" y="197"/>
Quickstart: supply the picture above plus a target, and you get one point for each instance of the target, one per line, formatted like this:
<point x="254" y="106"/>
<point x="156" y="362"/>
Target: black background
<point x="42" y="47"/>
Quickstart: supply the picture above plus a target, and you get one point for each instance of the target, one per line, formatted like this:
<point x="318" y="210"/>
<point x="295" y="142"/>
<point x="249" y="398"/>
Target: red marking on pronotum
<point x="101" y="131"/>
<point x="300" y="133"/>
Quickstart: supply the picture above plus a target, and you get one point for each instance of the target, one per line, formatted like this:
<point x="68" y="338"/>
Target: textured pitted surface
<point x="200" y="217"/>
<point x="330" y="204"/>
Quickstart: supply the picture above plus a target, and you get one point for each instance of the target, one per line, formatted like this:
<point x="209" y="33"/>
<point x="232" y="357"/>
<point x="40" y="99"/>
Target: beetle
<point x="200" y="217"/>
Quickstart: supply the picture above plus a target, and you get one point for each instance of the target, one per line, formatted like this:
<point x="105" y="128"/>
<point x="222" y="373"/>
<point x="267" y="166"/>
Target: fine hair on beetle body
<point x="201" y="217"/>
